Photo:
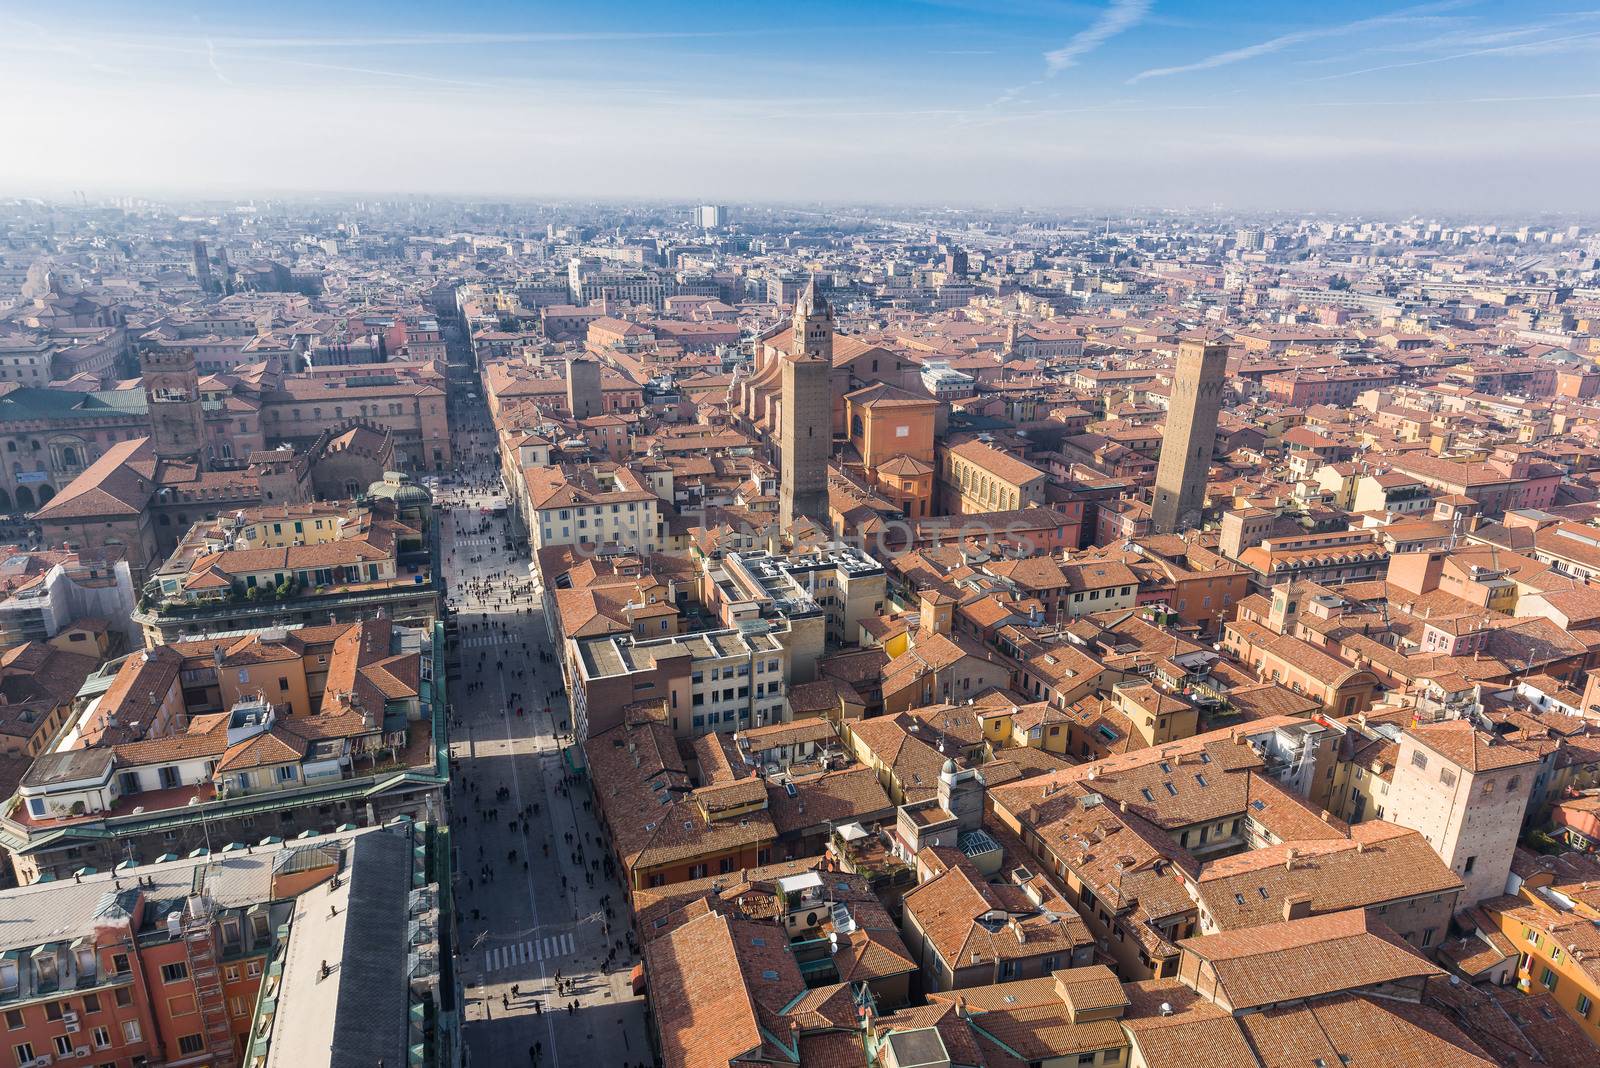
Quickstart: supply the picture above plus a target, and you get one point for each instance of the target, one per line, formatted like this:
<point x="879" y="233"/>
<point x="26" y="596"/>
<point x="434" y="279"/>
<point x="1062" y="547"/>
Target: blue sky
<point x="1451" y="105"/>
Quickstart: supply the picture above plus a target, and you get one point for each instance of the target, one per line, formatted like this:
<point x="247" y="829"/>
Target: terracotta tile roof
<point x="1173" y="1027"/>
<point x="758" y="739"/>
<point x="274" y="746"/>
<point x="1001" y="465"/>
<point x="213" y="742"/>
<point x="718" y="759"/>
<point x="1375" y="1030"/>
<point x="127" y="710"/>
<point x="1160" y="784"/>
<point x="833" y="797"/>
<point x="1532" y="1026"/>
<point x="908" y="743"/>
<point x="1307" y="958"/>
<point x="657" y="908"/>
<point x="1379" y="862"/>
<point x="820" y="697"/>
<point x="40" y="674"/>
<point x="969" y="921"/>
<point x="1458" y="742"/>
<point x="705" y="1016"/>
<point x="653" y="811"/>
<point x="119" y="483"/>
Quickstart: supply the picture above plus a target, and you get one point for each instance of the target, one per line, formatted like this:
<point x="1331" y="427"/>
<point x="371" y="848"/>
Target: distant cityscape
<point x="438" y="632"/>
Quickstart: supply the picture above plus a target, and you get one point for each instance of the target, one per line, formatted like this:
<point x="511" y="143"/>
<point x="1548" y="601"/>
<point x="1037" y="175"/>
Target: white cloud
<point x="1122" y="15"/>
<point x="1288" y="40"/>
<point x="1547" y="46"/>
<point x="211" y="60"/>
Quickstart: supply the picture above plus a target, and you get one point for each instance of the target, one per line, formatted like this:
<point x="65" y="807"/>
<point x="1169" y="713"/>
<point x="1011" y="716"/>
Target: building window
<point x="1419" y="759"/>
<point x="172" y="973"/>
<point x="1584" y="1005"/>
<point x="23" y="1052"/>
<point x="191" y="1043"/>
<point x="1547" y="979"/>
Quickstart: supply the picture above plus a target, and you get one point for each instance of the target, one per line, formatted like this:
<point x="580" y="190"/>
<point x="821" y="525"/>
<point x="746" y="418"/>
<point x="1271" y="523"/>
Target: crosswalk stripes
<point x="530" y="952"/>
<point x="484" y="641"/>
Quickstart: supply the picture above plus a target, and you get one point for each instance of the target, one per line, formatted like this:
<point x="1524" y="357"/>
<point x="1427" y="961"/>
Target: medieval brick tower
<point x="172" y="393"/>
<point x="583" y="387"/>
<point x="805" y="436"/>
<point x="1191" y="431"/>
<point x="202" y="268"/>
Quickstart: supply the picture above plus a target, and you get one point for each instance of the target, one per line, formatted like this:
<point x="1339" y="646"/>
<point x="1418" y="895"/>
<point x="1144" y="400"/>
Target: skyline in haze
<point x="1447" y="106"/>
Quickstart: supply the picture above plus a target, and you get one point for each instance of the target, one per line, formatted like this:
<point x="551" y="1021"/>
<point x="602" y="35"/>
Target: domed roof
<point x="398" y="487"/>
<point x="949" y="767"/>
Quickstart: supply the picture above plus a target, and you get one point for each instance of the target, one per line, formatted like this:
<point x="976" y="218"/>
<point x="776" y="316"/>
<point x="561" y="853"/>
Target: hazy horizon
<point x="1452" y="106"/>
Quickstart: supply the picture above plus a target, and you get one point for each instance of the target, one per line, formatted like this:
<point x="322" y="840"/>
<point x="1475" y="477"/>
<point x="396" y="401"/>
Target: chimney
<point x="1297" y="907"/>
<point x="1289" y="859"/>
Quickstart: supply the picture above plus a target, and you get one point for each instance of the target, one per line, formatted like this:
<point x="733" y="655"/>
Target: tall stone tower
<point x="1191" y="431"/>
<point x="805" y="434"/>
<point x="583" y="387"/>
<point x="202" y="269"/>
<point x="172" y="394"/>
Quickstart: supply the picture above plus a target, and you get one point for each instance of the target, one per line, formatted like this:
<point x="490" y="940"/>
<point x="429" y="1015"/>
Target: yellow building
<point x="1362" y="776"/>
<point x="975" y="477"/>
<point x="1552" y="924"/>
<point x="1158" y="716"/>
<point x="1036" y="725"/>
